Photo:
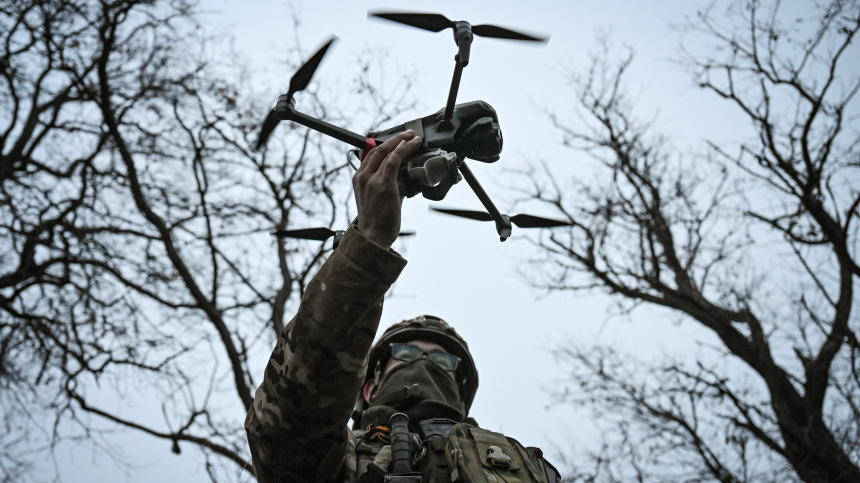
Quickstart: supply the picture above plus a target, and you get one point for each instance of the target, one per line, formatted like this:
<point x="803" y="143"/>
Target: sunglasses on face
<point x="406" y="353"/>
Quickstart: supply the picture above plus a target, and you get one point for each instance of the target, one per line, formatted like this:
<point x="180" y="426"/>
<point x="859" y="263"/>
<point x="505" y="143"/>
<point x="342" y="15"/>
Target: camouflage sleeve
<point x="297" y="427"/>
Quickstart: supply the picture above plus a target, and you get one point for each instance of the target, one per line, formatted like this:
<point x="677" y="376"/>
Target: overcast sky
<point x="458" y="269"/>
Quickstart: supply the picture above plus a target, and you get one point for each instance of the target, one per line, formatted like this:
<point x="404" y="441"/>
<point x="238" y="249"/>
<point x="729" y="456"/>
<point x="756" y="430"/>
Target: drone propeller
<point x="303" y="76"/>
<point x="298" y="83"/>
<point x="522" y="221"/>
<point x="435" y="22"/>
<point x="463" y="31"/>
<point x="319" y="234"/>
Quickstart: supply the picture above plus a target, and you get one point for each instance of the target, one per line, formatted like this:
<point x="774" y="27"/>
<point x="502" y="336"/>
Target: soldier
<point x="323" y="363"/>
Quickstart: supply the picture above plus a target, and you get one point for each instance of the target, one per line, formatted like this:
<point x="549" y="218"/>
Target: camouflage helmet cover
<point x="431" y="329"/>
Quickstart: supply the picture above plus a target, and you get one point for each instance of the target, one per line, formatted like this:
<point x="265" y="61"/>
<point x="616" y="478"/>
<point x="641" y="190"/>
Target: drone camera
<point x="483" y="140"/>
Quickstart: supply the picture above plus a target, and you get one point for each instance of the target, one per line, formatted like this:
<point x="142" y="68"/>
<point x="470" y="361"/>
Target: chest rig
<point x="444" y="451"/>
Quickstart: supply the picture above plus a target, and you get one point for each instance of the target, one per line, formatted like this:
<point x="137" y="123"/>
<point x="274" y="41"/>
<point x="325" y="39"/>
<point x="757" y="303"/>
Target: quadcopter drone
<point x="449" y="136"/>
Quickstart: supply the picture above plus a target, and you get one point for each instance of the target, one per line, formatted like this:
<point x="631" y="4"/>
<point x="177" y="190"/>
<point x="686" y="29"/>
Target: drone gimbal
<point x="449" y="136"/>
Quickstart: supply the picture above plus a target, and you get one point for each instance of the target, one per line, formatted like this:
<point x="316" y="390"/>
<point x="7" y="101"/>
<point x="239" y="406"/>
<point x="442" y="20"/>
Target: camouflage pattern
<point x="297" y="427"/>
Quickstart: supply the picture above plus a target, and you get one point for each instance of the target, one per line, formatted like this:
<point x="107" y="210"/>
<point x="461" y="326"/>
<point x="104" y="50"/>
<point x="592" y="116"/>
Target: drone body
<point x="449" y="136"/>
<point x="472" y="132"/>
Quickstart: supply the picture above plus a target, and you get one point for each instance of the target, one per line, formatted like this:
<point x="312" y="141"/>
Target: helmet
<point x="431" y="329"/>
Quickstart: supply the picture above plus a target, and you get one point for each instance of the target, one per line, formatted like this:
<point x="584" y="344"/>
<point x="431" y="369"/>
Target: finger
<point x="391" y="165"/>
<point x="375" y="158"/>
<point x="376" y="155"/>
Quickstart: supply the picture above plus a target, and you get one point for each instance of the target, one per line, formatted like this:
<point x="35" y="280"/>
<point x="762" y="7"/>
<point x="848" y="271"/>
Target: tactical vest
<point x="449" y="452"/>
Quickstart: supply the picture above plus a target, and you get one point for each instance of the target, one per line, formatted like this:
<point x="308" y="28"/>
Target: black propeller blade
<point x="269" y="126"/>
<point x="503" y="33"/>
<point x="435" y="22"/>
<point x="522" y="221"/>
<point x="298" y="83"/>
<point x="531" y="221"/>
<point x="303" y="76"/>
<point x="319" y="234"/>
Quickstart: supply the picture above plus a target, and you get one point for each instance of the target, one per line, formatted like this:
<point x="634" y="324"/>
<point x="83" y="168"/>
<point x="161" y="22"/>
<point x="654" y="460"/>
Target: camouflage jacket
<point x="297" y="427"/>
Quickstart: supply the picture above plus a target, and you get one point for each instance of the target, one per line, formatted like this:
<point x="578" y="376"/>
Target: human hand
<point x="376" y="192"/>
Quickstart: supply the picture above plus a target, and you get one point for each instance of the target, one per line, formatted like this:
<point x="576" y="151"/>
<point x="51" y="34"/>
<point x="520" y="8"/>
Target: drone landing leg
<point x="503" y="223"/>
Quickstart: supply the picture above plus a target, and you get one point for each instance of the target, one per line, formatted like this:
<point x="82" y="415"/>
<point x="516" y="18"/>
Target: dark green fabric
<point x="468" y="452"/>
<point x="438" y="396"/>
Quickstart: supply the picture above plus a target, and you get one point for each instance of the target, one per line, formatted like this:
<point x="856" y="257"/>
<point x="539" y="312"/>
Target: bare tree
<point x="755" y="243"/>
<point x="136" y="260"/>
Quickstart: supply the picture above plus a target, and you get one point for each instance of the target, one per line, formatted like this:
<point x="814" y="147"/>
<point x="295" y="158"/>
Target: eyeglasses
<point x="406" y="353"/>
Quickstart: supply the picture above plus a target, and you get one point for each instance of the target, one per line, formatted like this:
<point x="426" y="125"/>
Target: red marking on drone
<point x="370" y="143"/>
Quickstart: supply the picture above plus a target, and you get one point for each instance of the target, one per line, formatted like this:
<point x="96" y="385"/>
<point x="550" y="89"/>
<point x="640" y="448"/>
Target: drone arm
<point x="285" y="111"/>
<point x="503" y="223"/>
<point x="452" y="93"/>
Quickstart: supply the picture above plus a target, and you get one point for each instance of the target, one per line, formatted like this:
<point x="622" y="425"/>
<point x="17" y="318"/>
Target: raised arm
<point x="297" y="427"/>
